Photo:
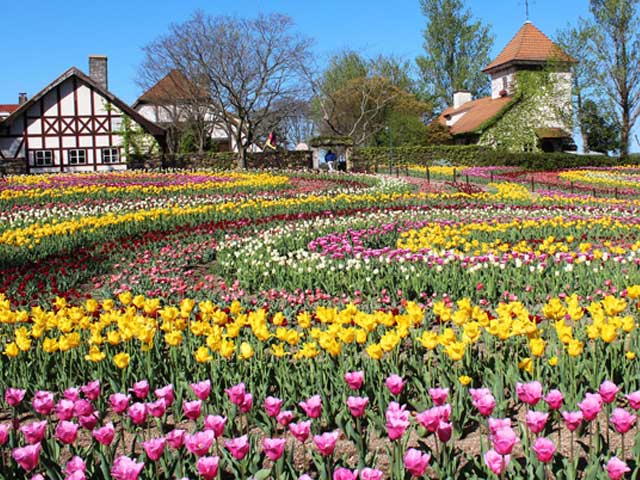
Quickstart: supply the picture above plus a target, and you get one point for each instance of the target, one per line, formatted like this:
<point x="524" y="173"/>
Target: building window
<point x="77" y="157"/>
<point x="43" y="158"/>
<point x="504" y="83"/>
<point x="111" y="155"/>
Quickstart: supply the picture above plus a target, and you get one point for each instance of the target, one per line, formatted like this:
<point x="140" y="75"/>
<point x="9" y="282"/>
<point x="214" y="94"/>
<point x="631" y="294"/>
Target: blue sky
<point x="43" y="38"/>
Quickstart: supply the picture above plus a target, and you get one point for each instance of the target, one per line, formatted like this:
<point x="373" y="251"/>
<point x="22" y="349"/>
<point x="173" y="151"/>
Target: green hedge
<point x="372" y="158"/>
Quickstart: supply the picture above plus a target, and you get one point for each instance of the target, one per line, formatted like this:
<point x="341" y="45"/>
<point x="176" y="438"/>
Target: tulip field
<point x="477" y="323"/>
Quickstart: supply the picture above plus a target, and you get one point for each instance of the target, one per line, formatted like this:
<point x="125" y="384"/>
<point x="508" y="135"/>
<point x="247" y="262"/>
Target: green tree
<point x="603" y="133"/>
<point x="456" y="49"/>
<point x="358" y="97"/>
<point x="616" y="46"/>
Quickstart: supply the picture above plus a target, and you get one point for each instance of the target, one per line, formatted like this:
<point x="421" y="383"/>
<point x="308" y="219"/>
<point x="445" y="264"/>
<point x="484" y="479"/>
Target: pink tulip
<point x="154" y="448"/>
<point x="300" y="430"/>
<point x="119" y="402"/>
<point x="536" y="421"/>
<point x="140" y="389"/>
<point x="608" y="391"/>
<point x="273" y="448"/>
<point x="478" y="393"/>
<point x="67" y="432"/>
<point x="104" y="435"/>
<point x="397" y="420"/>
<point x="34" y="432"/>
<point x="345" y="474"/>
<point x="497" y="423"/>
<point x="272" y="406"/>
<point x="616" y="468"/>
<point x="572" y="419"/>
<point x="312" y="406"/>
<point x="371" y="474"/>
<point x="90" y="421"/>
<point x="504" y="440"/>
<point x="208" y="467"/>
<point x="14" y="396"/>
<point x="43" y="402"/>
<point x="82" y="407"/>
<point x="622" y="420"/>
<point x="192" y="410"/>
<point x="395" y="384"/>
<point x="39" y="476"/>
<point x="76" y="464"/>
<point x="634" y="400"/>
<point x="430" y="419"/>
<point x="158" y="408"/>
<point x="326" y="442"/>
<point x="285" y="417"/>
<point x="138" y="413"/>
<point x="591" y="406"/>
<point x="416" y="462"/>
<point x="202" y="390"/>
<point x="496" y="462"/>
<point x="125" y="468"/>
<point x="199" y="443"/>
<point x="304" y="477"/>
<point x="91" y="390"/>
<point x="236" y="393"/>
<point x="357" y="405"/>
<point x="354" y="379"/>
<point x="247" y="403"/>
<point x="529" y="393"/>
<point x="166" y="394"/>
<point x="77" y="475"/>
<point x="554" y="399"/>
<point x="4" y="434"/>
<point x="27" y="457"/>
<point x="64" y="409"/>
<point x="485" y="404"/>
<point x="444" y="431"/>
<point x="544" y="449"/>
<point x="238" y="447"/>
<point x="175" y="438"/>
<point x="215" y="423"/>
<point x="72" y="393"/>
<point x="439" y="395"/>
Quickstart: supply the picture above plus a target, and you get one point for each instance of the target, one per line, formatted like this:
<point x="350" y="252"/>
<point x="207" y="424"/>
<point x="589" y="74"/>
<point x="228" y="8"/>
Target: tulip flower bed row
<point x="87" y="432"/>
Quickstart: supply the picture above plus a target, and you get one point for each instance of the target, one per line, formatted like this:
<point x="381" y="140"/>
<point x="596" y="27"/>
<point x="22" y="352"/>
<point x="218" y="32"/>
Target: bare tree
<point x="616" y="45"/>
<point x="299" y="126"/>
<point x="250" y="66"/>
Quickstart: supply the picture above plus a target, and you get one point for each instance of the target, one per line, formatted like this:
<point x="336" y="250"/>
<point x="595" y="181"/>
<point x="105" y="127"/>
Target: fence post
<point x="571" y="187"/>
<point x="491" y="177"/>
<point x="533" y="187"/>
<point x="454" y="176"/>
<point x="616" y="193"/>
<point x="467" y="179"/>
<point x="428" y="175"/>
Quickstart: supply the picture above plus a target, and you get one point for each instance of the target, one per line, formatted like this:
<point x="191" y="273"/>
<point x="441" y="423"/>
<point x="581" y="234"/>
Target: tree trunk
<point x="242" y="157"/>
<point x="625" y="133"/>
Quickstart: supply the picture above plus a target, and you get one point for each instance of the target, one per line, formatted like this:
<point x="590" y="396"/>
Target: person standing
<point x="330" y="159"/>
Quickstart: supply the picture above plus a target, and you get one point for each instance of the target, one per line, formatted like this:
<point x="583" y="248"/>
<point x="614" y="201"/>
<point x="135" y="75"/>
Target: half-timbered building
<point x="73" y="125"/>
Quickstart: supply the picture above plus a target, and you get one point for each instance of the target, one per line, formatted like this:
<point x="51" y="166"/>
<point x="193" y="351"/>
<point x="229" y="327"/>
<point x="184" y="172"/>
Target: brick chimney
<point x="22" y="98"/>
<point x="98" y="70"/>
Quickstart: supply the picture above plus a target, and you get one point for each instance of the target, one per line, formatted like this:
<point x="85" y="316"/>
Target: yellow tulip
<point x="202" y="355"/>
<point x="375" y="351"/>
<point x="464" y="380"/>
<point x="246" y="351"/>
<point x="95" y="355"/>
<point x="121" y="360"/>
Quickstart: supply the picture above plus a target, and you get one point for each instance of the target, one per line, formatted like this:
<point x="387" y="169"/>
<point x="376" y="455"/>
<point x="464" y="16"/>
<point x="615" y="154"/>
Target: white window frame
<point x="41" y="155"/>
<point x="75" y="152"/>
<point x="110" y="155"/>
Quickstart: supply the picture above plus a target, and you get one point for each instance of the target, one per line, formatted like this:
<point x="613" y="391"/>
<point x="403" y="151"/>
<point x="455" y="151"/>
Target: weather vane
<point x="526" y="8"/>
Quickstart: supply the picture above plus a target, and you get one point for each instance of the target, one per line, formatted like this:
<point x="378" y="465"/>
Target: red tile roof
<point x="476" y="113"/>
<point x="9" y="108"/>
<point x="529" y="45"/>
<point x="172" y="87"/>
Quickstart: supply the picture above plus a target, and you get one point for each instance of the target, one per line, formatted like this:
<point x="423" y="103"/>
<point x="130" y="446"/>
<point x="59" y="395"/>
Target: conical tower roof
<point x="529" y="47"/>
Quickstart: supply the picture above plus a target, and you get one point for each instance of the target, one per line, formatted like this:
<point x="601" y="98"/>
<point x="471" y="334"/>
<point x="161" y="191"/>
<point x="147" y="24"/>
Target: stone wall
<point x="13" y="166"/>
